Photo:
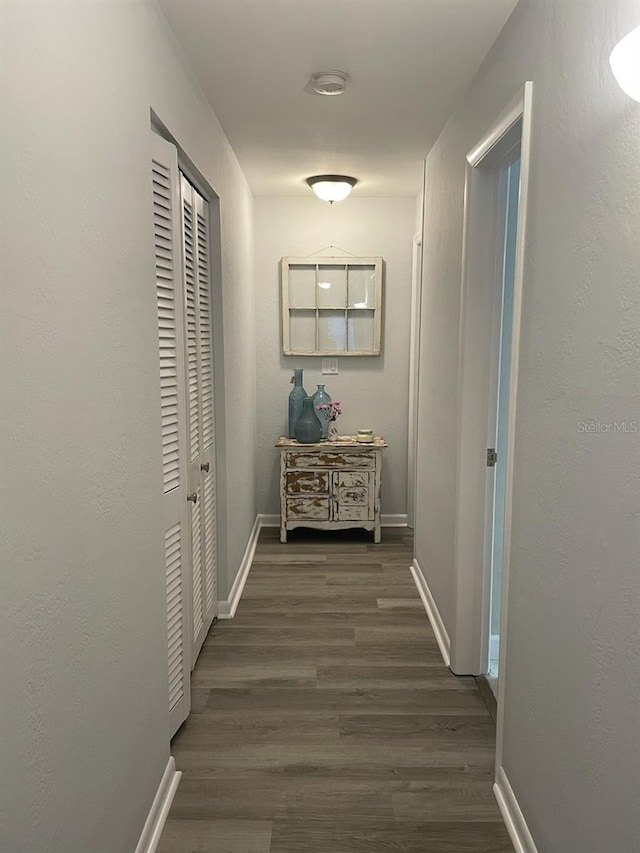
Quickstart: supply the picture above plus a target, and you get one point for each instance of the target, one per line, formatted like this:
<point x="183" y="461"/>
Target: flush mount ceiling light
<point x="329" y="82"/>
<point x="332" y="187"/>
<point x="625" y="64"/>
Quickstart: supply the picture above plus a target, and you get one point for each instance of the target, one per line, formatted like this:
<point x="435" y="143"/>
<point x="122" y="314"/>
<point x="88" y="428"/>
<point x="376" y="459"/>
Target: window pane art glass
<point x="332" y="286"/>
<point x="302" y="287"/>
<point x="332" y="331"/>
<point x="302" y="325"/>
<point x="331" y="305"/>
<point x="362" y="287"/>
<point x="360" y="330"/>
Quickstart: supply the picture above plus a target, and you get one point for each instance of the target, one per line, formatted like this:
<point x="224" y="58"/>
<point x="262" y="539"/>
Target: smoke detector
<point x="329" y="82"/>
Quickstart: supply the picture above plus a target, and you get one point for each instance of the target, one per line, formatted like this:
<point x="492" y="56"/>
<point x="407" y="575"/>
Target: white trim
<point x="389" y="520"/>
<point x="414" y="361"/>
<point x="512" y="814"/>
<point x="157" y="817"/>
<point x="518" y="284"/>
<point x="399" y="520"/>
<point x="442" y="638"/>
<point x="504" y="123"/>
<point x="471" y="477"/>
<point x="227" y="608"/>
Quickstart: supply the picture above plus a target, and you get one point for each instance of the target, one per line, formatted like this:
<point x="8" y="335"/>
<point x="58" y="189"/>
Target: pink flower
<point x="333" y="409"/>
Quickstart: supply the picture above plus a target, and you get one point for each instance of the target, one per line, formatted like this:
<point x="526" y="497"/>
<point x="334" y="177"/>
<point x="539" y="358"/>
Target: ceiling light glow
<point x="625" y="64"/>
<point x="332" y="187"/>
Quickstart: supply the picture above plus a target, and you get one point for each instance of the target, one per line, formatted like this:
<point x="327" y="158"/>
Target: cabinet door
<point x="353" y="495"/>
<point x="166" y="229"/>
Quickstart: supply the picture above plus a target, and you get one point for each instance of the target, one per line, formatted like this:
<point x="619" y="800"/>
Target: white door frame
<point x="204" y="188"/>
<point x="414" y="367"/>
<point x="414" y="358"/>
<point x="477" y="319"/>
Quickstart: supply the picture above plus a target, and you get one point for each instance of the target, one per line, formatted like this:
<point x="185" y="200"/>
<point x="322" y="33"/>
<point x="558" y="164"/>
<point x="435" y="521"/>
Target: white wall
<point x="571" y="747"/>
<point x="84" y="668"/>
<point x="373" y="390"/>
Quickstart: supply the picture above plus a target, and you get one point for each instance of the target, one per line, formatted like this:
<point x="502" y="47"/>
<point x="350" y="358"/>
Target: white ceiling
<point x="409" y="63"/>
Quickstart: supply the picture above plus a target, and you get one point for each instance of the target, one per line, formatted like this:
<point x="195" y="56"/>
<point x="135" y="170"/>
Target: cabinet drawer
<point x="314" y="509"/>
<point x="353" y="479"/>
<point x="361" y="512"/>
<point x="329" y="459"/>
<point x="307" y="482"/>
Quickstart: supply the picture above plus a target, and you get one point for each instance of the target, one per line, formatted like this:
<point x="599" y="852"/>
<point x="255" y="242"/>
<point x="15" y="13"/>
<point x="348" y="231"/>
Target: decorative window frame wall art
<point x="331" y="306"/>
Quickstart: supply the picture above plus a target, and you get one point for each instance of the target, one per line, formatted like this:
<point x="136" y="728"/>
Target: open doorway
<point x="508" y="178"/>
<point x="491" y="297"/>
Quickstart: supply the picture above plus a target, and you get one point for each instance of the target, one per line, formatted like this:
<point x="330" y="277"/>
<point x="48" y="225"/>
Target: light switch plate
<point x="330" y="366"/>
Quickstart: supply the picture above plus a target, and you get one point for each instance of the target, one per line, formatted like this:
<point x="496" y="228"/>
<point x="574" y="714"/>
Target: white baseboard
<point x="512" y="814"/>
<point x="399" y="520"/>
<point x="433" y="613"/>
<point x="227" y="608"/>
<point x="157" y="817"/>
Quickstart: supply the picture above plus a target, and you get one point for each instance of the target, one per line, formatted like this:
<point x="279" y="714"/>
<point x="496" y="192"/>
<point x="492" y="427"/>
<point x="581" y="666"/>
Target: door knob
<point x="205" y="467"/>
<point x="193" y="497"/>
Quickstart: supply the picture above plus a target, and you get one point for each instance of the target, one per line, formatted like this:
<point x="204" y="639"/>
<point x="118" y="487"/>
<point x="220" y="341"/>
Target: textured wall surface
<point x="571" y="749"/>
<point x="84" y="669"/>
<point x="374" y="391"/>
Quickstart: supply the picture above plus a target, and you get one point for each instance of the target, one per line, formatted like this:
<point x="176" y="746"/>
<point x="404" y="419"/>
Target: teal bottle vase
<point x="296" y="397"/>
<point x="308" y="428"/>
<point x="319" y="399"/>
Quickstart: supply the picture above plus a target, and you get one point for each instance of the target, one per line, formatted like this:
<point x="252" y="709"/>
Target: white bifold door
<point x="200" y="434"/>
<point x="183" y="289"/>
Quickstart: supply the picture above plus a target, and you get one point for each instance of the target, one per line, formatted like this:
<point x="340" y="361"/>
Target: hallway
<point x="324" y="719"/>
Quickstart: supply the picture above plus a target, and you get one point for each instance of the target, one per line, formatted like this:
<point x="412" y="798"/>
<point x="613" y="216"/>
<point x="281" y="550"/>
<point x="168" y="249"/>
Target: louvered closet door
<point x="199" y="373"/>
<point x="166" y="228"/>
<point x="207" y="446"/>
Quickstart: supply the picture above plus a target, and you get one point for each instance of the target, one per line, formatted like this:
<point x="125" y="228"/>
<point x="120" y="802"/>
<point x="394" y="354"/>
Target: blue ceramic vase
<point x="319" y="399"/>
<point x="308" y="427"/>
<point x="296" y="397"/>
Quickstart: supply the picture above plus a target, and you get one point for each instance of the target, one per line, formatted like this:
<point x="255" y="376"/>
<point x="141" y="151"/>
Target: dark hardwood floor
<point x="324" y="720"/>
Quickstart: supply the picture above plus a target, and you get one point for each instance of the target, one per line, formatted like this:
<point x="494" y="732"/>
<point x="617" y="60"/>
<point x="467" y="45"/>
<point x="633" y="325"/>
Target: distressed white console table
<point x="331" y="485"/>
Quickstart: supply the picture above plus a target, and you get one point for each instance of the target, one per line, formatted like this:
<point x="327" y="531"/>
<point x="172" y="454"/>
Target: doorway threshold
<point x="488" y="688"/>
